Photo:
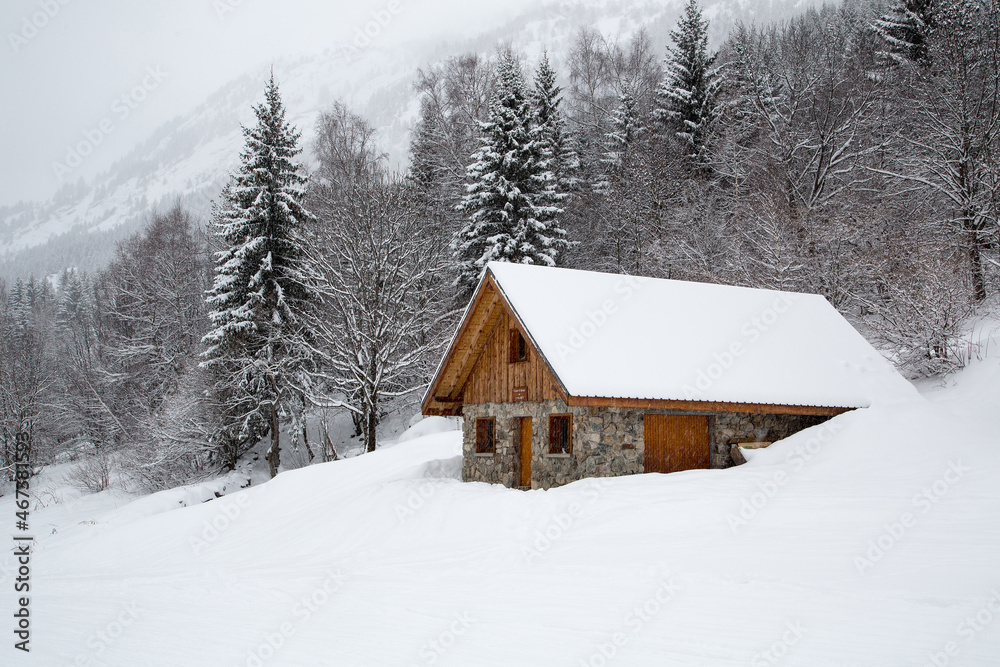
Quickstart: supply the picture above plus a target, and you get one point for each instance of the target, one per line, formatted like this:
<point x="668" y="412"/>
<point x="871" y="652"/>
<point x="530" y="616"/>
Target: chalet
<point x="563" y="374"/>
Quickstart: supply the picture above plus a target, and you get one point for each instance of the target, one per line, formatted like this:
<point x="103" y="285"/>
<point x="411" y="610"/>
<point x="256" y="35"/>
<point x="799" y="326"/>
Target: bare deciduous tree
<point x="952" y="142"/>
<point x="381" y="300"/>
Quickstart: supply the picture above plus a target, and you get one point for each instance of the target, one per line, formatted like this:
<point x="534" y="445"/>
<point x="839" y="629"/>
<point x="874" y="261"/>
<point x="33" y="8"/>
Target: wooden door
<point x="675" y="442"/>
<point x="524" y="446"/>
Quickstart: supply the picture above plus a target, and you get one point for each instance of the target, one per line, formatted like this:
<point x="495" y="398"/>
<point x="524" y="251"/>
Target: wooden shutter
<point x="517" y="349"/>
<point x="560" y="434"/>
<point x="485" y="436"/>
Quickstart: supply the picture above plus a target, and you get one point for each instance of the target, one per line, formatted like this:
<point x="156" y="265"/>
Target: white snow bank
<point x="182" y="496"/>
<point x="866" y="541"/>
<point x="428" y="426"/>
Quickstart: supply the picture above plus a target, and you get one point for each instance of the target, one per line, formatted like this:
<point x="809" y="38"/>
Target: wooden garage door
<point x="675" y="442"/>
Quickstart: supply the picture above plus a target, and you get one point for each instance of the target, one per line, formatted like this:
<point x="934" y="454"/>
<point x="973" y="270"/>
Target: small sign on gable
<point x="520" y="394"/>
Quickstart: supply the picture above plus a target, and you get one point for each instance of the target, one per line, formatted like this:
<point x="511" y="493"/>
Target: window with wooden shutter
<point x="518" y="347"/>
<point x="561" y="434"/>
<point x="486" y="436"/>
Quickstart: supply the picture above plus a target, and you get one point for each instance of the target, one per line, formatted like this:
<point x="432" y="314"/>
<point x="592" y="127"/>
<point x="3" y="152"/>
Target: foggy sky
<point x="117" y="69"/>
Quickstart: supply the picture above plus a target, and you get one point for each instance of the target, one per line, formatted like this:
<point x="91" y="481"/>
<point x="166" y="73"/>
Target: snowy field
<point x="872" y="540"/>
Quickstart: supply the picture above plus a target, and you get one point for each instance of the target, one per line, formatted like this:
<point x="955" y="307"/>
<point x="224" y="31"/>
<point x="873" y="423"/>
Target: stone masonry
<point x="729" y="428"/>
<point x="607" y="442"/>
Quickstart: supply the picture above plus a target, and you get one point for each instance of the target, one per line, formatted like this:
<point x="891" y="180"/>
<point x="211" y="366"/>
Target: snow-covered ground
<point x="872" y="540"/>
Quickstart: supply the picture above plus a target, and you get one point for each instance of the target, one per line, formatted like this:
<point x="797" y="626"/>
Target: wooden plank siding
<point x="444" y="396"/>
<point x="494" y="378"/>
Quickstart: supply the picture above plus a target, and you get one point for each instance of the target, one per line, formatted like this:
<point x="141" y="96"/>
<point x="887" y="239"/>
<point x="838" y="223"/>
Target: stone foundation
<point x="729" y="428"/>
<point x="607" y="442"/>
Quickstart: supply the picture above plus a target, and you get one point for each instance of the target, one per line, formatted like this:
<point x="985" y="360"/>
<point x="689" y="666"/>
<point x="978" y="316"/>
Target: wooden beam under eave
<point x="440" y="409"/>
<point x="704" y="406"/>
<point x="459" y="349"/>
<point x="468" y="349"/>
<point x="475" y="350"/>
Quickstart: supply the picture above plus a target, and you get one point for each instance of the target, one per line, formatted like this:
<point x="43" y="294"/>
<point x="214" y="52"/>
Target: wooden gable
<point x="478" y="366"/>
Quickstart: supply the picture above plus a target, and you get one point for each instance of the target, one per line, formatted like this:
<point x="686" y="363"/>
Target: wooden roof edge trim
<point x="463" y="324"/>
<point x="477" y="346"/>
<point x="517" y="316"/>
<point x="433" y="410"/>
<point x="705" y="406"/>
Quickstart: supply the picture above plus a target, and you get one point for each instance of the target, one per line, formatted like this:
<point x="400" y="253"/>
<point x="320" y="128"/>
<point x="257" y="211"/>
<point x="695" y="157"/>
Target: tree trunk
<point x="358" y="421"/>
<point x="328" y="447"/>
<point x="305" y="441"/>
<point x="371" y="421"/>
<point x="371" y="418"/>
<point x="229" y="452"/>
<point x="976" y="262"/>
<point x="274" y="452"/>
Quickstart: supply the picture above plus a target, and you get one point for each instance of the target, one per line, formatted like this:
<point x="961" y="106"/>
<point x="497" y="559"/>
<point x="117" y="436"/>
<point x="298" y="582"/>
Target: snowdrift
<point x="871" y="540"/>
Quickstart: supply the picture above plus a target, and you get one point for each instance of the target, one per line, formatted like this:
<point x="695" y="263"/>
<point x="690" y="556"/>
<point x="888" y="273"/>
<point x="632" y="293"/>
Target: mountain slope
<point x="188" y="158"/>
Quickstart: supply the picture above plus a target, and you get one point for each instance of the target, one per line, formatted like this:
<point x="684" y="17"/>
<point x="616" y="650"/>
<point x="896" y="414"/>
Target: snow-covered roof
<point x="615" y="336"/>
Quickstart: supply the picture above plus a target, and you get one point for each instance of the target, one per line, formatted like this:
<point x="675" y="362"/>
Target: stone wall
<point x="728" y="428"/>
<point x="607" y="442"/>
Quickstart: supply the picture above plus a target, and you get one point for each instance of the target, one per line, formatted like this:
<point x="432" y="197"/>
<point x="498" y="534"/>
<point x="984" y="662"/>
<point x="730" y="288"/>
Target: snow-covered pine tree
<point x="74" y="318"/>
<point x="905" y="29"/>
<point x="625" y="128"/>
<point x="433" y="183"/>
<point x="80" y="411"/>
<point x="546" y="97"/>
<point x="423" y="163"/>
<point x="511" y="201"/>
<point x="24" y="376"/>
<point x="263" y="285"/>
<point x="19" y="305"/>
<point x="626" y="188"/>
<point x="686" y="99"/>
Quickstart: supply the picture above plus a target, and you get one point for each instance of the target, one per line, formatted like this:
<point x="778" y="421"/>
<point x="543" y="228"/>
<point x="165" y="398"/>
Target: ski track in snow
<point x="394" y="559"/>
